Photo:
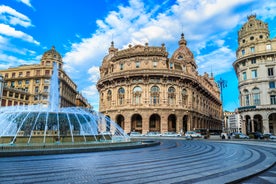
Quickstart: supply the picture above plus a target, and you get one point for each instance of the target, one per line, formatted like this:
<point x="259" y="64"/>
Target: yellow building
<point x="30" y="84"/>
<point x="144" y="90"/>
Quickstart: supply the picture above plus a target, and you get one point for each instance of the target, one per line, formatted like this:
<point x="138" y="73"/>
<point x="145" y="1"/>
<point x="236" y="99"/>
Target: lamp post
<point x="222" y="84"/>
<point x="1" y="88"/>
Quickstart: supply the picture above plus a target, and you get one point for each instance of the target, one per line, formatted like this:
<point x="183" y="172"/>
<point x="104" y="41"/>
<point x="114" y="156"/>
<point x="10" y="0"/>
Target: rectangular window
<point x="154" y="64"/>
<point x="47" y="72"/>
<point x="268" y="47"/>
<point x="36" y="89"/>
<point x="137" y="64"/>
<point x="19" y="82"/>
<point x="254" y="74"/>
<point x="45" y="89"/>
<point x="6" y="75"/>
<point x="12" y="84"/>
<point x="244" y="76"/>
<point x="271" y="84"/>
<point x="243" y="52"/>
<point x="273" y="99"/>
<point x="247" y="101"/>
<point x="270" y="72"/>
<point x="37" y="72"/>
<point x="171" y="65"/>
<point x="27" y="82"/>
<point x="28" y="73"/>
<point x="121" y="66"/>
<point x="253" y="61"/>
<point x="252" y="49"/>
<point x="13" y="75"/>
<point x="243" y="63"/>
<point x="20" y="74"/>
<point x="46" y="81"/>
<point x="37" y="81"/>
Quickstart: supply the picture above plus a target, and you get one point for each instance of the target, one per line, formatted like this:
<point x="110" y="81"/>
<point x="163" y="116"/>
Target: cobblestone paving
<point x="174" y="161"/>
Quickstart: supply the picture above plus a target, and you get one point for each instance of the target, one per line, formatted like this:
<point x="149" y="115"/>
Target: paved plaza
<point x="174" y="161"/>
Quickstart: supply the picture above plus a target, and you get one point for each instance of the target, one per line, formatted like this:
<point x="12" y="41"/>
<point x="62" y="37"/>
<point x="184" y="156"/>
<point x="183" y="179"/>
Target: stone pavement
<point x="174" y="161"/>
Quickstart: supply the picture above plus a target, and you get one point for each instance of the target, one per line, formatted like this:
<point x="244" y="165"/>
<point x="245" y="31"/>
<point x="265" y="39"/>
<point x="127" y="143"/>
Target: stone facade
<point x="30" y="84"/>
<point x="255" y="68"/>
<point x="143" y="90"/>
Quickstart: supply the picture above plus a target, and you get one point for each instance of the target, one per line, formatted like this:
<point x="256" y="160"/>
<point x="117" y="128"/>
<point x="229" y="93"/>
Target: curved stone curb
<point x="80" y="149"/>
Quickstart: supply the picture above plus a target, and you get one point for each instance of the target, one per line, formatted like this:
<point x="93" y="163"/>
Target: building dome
<point x="51" y="56"/>
<point x="183" y="55"/>
<point x="253" y="30"/>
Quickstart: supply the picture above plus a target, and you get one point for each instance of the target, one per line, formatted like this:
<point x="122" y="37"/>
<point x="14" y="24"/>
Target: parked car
<point x="171" y="134"/>
<point x="153" y="134"/>
<point x="239" y="135"/>
<point x="135" y="134"/>
<point x="192" y="134"/>
<point x="270" y="136"/>
<point x="256" y="135"/>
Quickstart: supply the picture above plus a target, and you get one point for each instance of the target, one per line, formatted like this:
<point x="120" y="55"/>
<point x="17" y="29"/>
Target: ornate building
<point x="255" y="66"/>
<point x="30" y="84"/>
<point x="144" y="90"/>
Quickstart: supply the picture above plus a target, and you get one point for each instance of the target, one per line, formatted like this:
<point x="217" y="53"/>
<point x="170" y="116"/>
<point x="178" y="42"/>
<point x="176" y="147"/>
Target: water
<point x="37" y="124"/>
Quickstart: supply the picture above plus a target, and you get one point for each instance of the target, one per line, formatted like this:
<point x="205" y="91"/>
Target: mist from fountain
<point x="36" y="124"/>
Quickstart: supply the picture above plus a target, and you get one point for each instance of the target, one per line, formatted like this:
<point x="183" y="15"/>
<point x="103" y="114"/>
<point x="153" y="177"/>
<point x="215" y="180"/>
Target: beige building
<point x="144" y="90"/>
<point x="30" y="84"/>
<point x="255" y="68"/>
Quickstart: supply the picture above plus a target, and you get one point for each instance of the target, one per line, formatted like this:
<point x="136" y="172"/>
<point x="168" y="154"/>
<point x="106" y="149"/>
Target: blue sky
<point x="81" y="31"/>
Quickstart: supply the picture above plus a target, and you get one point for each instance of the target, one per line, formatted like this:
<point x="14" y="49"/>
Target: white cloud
<point x="13" y="17"/>
<point x="94" y="74"/>
<point x="26" y="2"/>
<point x="10" y="31"/>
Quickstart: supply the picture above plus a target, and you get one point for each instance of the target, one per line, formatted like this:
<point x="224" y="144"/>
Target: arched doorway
<point x="248" y="126"/>
<point x="185" y="123"/>
<point x="272" y="123"/>
<point x="154" y="124"/>
<point x="136" y="123"/>
<point x="120" y="120"/>
<point x="172" y="123"/>
<point x="258" y="123"/>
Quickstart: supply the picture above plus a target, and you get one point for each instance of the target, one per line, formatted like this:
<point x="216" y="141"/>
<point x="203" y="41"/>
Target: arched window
<point x="109" y="97"/>
<point x="154" y="95"/>
<point x="137" y="93"/>
<point x="171" y="95"/>
<point x="184" y="96"/>
<point x="256" y="96"/>
<point x="246" y="97"/>
<point x="121" y="96"/>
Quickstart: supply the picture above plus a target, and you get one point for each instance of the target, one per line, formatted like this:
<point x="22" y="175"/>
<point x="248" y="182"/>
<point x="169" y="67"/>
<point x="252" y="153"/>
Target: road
<point x="174" y="161"/>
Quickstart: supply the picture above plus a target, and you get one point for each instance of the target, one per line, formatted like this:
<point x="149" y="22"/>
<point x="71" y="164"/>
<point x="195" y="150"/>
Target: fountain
<point x="48" y="125"/>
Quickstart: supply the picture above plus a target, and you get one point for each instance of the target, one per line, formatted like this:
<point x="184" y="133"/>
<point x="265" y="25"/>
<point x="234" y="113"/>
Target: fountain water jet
<point x="36" y="124"/>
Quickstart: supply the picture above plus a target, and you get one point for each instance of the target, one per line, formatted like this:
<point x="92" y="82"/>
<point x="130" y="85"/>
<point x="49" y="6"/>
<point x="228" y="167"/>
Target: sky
<point x="82" y="31"/>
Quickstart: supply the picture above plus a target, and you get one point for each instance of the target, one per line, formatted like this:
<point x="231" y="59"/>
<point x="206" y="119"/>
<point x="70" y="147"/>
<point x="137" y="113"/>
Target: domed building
<point x="143" y="90"/>
<point x="30" y="84"/>
<point x="255" y="67"/>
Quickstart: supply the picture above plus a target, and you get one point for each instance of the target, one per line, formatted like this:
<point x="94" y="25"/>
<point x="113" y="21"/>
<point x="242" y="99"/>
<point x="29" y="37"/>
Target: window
<point x="37" y="72"/>
<point x="184" y="96"/>
<point x="20" y="74"/>
<point x="243" y="63"/>
<point x="12" y="84"/>
<point x="253" y="61"/>
<point x="252" y="49"/>
<point x="47" y="72"/>
<point x="46" y="81"/>
<point x="36" y="89"/>
<point x="171" y="65"/>
<point x="19" y="82"/>
<point x="246" y="98"/>
<point x="254" y="74"/>
<point x="48" y="63"/>
<point x="6" y="75"/>
<point x="271" y="84"/>
<point x="273" y="99"/>
<point x="268" y="47"/>
<point x="137" y="93"/>
<point x="37" y="81"/>
<point x="137" y="64"/>
<point x="45" y="89"/>
<point x="244" y="76"/>
<point x="154" y="95"/>
<point x="256" y="96"/>
<point x="13" y="75"/>
<point x="243" y="52"/>
<point x="121" y="96"/>
<point x="121" y="66"/>
<point x="28" y="73"/>
<point x="154" y="64"/>
<point x="171" y="95"/>
<point x="270" y="72"/>
<point x="27" y="82"/>
<point x="109" y="97"/>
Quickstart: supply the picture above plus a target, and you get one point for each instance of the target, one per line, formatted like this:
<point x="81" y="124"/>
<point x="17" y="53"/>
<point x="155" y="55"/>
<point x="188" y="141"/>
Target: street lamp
<point x="222" y="84"/>
<point x="1" y="88"/>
